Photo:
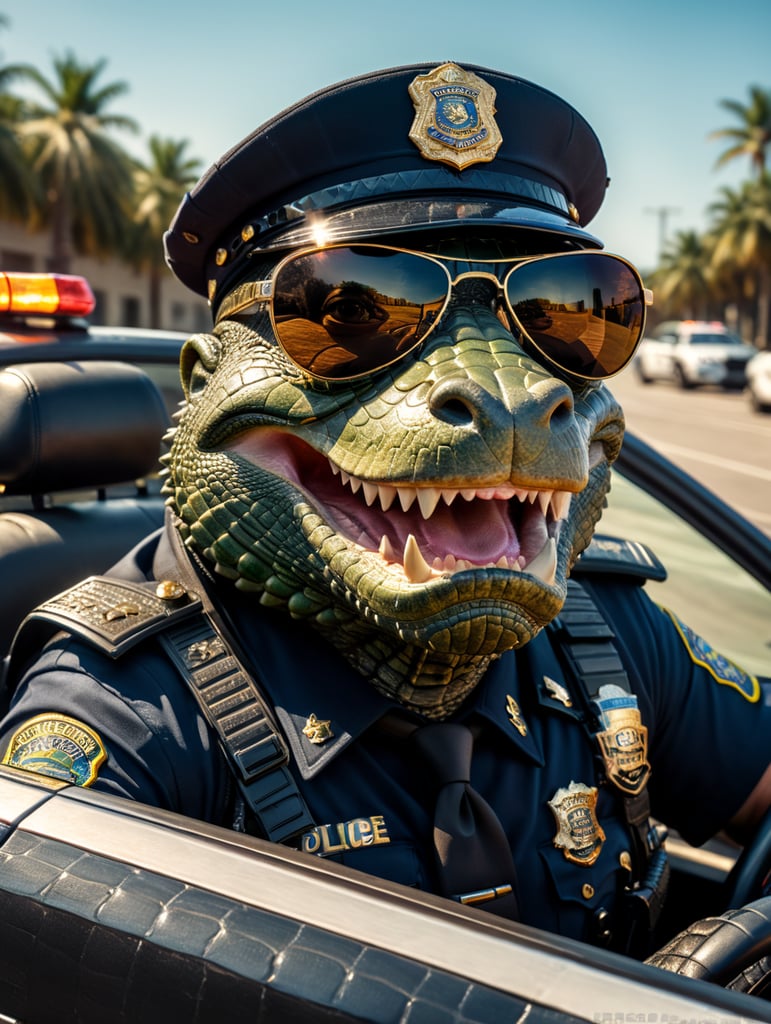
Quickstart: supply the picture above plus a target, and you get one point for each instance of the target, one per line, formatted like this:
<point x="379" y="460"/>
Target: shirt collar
<point x="321" y="702"/>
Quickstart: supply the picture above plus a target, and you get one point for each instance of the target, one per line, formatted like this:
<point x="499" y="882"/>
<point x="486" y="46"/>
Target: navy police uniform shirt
<point x="130" y="726"/>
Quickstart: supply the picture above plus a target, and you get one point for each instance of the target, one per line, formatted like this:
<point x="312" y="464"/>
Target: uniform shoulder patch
<point x="722" y="669"/>
<point x="58" y="746"/>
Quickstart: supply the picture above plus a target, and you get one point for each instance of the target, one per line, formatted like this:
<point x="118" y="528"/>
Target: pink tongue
<point x="479" y="531"/>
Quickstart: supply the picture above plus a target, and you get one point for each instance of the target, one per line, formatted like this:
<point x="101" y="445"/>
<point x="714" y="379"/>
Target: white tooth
<point x="335" y="469"/>
<point x="386" y="549"/>
<point x="416" y="569"/>
<point x="438" y="564"/>
<point x="531" y="496"/>
<point x="469" y="493"/>
<point x="370" y="491"/>
<point x="462" y="563"/>
<point x="386" y="495"/>
<point x="502" y="563"/>
<point x="428" y="499"/>
<point x="449" y="562"/>
<point x="544" y="565"/>
<point x="520" y="493"/>
<point x="560" y="504"/>
<point x="355" y="483"/>
<point x="406" y="497"/>
<point x="344" y="477"/>
<point x="504" y="493"/>
<point x="448" y="496"/>
<point x="486" y="493"/>
<point x="544" y="497"/>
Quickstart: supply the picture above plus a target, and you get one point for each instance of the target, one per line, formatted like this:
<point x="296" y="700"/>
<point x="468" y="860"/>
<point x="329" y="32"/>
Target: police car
<point x="759" y="382"/>
<point x="692" y="353"/>
<point x="114" y="911"/>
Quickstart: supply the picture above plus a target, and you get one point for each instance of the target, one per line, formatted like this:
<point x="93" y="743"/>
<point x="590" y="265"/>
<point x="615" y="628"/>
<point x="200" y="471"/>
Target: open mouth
<point x="421" y="532"/>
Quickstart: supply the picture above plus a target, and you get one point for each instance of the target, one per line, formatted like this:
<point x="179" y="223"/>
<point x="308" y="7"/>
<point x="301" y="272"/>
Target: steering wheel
<point x="745" y="882"/>
<point x="734" y="949"/>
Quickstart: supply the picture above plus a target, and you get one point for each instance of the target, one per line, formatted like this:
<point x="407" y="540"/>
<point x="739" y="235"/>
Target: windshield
<point x="717" y="598"/>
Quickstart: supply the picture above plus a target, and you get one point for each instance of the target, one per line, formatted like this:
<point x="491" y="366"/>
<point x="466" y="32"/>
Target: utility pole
<point x="662" y="212"/>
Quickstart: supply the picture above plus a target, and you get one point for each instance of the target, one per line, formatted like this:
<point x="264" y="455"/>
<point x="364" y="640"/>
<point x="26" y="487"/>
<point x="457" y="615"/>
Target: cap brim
<point x="399" y="216"/>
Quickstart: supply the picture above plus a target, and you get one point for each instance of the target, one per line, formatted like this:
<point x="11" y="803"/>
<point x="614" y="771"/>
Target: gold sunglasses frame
<point x="255" y="293"/>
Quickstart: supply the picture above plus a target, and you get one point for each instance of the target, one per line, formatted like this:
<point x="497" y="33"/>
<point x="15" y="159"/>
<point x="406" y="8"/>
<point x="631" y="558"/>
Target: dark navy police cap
<point x="388" y="152"/>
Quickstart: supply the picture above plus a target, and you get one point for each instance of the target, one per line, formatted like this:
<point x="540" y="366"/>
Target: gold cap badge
<point x="454" y="117"/>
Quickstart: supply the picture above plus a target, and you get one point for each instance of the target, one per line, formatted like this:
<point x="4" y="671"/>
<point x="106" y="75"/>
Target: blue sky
<point x="647" y="75"/>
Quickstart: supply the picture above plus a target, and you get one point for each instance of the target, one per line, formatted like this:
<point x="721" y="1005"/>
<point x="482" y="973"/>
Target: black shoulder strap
<point x="586" y="642"/>
<point x="115" y="615"/>
<point x="228" y="697"/>
<point x="585" y="639"/>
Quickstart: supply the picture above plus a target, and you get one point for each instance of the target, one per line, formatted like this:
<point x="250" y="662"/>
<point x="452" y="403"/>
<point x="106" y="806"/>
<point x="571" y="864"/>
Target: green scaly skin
<point x="250" y="480"/>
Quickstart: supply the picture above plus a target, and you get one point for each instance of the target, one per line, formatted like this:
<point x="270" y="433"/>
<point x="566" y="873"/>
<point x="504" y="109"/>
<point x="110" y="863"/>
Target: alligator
<point x="424" y="520"/>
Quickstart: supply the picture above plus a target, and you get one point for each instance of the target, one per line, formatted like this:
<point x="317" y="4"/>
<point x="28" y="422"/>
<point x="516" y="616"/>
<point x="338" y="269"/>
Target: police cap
<point x="386" y="152"/>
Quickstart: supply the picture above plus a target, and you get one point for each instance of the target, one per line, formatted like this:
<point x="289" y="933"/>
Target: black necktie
<point x="473" y="854"/>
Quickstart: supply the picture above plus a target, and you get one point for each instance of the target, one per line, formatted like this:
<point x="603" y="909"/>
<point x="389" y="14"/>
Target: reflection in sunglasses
<point x="343" y="312"/>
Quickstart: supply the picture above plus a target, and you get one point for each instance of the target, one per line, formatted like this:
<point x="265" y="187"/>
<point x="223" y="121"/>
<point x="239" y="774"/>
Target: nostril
<point x="453" y="411"/>
<point x="562" y="412"/>
<point x="457" y="401"/>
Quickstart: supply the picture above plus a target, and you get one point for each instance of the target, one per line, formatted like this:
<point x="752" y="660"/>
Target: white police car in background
<point x="693" y="352"/>
<point x="759" y="382"/>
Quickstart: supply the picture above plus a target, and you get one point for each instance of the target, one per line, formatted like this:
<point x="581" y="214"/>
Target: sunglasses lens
<point x="584" y="312"/>
<point x="346" y="312"/>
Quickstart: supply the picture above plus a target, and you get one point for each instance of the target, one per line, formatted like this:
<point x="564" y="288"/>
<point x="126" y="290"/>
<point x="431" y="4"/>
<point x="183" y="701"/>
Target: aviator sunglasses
<point x="341" y="312"/>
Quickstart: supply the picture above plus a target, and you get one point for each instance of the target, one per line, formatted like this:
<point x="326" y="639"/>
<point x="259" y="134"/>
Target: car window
<point x="714" y="339"/>
<point x="714" y="596"/>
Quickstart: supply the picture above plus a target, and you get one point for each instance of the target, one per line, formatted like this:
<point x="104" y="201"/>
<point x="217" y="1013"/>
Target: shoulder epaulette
<point x="112" y="615"/>
<point x="617" y="557"/>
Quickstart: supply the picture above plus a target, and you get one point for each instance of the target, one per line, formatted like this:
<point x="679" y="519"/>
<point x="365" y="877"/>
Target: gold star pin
<point x="318" y="730"/>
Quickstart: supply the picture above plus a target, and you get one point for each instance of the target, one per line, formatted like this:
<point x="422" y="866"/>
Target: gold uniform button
<point x="587" y="891"/>
<point x="169" y="590"/>
<point x="625" y="860"/>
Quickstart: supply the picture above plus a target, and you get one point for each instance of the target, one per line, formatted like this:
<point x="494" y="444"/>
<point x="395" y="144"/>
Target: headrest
<point x="70" y="425"/>
<point x="413" y="146"/>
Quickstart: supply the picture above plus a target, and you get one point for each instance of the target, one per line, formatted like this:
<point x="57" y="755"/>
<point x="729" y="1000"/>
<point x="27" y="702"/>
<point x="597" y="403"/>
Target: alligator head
<point x="424" y="520"/>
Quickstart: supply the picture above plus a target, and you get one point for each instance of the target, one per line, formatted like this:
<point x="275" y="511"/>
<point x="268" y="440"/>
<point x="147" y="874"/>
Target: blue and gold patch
<point x="719" y="667"/>
<point x="57" y="746"/>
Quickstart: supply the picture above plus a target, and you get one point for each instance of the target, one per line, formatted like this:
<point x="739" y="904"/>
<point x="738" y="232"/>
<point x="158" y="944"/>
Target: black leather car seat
<point x="79" y="447"/>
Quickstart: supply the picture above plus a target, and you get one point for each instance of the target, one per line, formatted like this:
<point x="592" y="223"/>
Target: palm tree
<point x="742" y="240"/>
<point x="682" y="282"/>
<point x="752" y="136"/>
<point x="86" y="177"/>
<point x="17" y="191"/>
<point x="158" y="189"/>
